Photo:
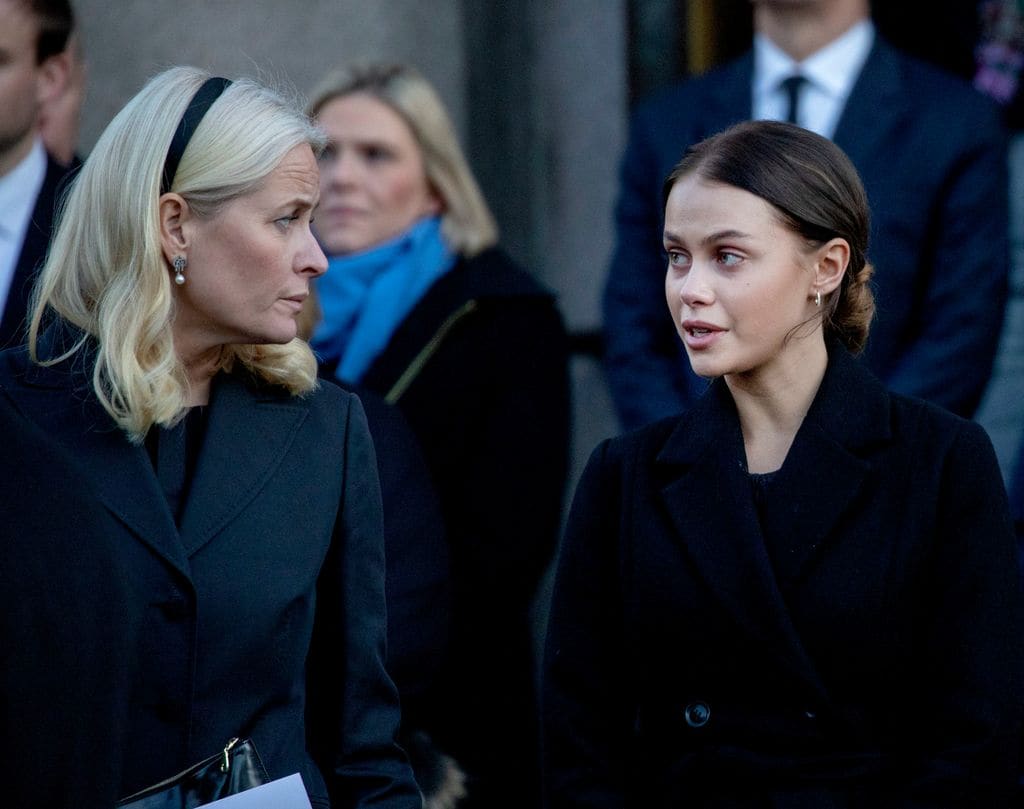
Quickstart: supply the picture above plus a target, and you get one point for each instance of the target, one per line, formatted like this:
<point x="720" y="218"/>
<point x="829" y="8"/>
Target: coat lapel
<point x="826" y="467"/>
<point x="59" y="399"/>
<point x="248" y="434"/>
<point x="708" y="502"/>
<point x="706" y="495"/>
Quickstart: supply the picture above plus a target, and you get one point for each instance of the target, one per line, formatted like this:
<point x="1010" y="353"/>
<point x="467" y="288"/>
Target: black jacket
<point x="263" y="615"/>
<point x="874" y="661"/>
<point x="65" y="628"/>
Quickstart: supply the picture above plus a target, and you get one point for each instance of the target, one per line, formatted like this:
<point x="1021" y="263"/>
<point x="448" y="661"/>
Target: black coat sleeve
<point x="353" y="710"/>
<point x="418" y="566"/>
<point x="68" y="627"/>
<point x="587" y="719"/>
<point x="968" y="712"/>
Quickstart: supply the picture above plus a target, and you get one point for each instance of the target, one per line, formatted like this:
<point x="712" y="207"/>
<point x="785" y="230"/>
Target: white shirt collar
<point x="833" y="69"/>
<point x="19" y="189"/>
<point x="831" y="73"/>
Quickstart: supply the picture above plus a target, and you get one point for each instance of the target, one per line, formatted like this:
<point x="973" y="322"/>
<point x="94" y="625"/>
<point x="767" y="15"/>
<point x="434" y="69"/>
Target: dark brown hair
<point x="56" y="21"/>
<point x="817" y="193"/>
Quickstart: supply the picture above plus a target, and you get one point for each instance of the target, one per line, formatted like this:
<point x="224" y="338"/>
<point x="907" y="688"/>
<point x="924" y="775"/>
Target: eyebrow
<point x="360" y="142"/>
<point x="301" y="202"/>
<point x="711" y="237"/>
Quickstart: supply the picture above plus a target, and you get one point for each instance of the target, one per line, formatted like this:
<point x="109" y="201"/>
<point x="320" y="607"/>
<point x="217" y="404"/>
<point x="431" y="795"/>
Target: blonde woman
<point x="163" y="356"/>
<point x="421" y="307"/>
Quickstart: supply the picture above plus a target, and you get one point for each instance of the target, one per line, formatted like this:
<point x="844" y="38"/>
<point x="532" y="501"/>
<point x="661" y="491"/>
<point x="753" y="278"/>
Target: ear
<point x="53" y="77"/>
<point x="175" y="216"/>
<point x="832" y="259"/>
<point x="434" y="204"/>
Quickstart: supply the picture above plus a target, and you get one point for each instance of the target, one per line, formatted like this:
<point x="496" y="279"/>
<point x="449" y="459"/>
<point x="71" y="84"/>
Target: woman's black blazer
<point x="874" y="662"/>
<point x="263" y="615"/>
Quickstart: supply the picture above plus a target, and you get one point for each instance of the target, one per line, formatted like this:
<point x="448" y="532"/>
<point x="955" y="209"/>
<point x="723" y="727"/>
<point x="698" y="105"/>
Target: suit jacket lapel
<point x="248" y="434"/>
<point x="875" y="107"/>
<point x="60" y="401"/>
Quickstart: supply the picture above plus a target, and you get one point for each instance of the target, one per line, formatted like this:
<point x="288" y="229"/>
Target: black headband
<point x="197" y="107"/>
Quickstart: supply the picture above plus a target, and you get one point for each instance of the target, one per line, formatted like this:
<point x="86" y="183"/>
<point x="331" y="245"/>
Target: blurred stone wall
<point x="288" y="43"/>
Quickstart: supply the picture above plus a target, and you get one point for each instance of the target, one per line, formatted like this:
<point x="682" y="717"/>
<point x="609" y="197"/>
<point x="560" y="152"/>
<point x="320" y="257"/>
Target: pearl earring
<point x="179" y="270"/>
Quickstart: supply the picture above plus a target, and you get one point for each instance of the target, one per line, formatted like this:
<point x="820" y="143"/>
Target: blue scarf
<point x="365" y="296"/>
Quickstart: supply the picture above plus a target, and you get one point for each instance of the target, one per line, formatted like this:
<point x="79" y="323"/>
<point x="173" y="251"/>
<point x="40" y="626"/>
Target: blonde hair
<point x="467" y="223"/>
<point x="106" y="273"/>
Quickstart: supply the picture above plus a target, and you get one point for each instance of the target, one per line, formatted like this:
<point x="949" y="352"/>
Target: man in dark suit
<point x="34" y="68"/>
<point x="931" y="153"/>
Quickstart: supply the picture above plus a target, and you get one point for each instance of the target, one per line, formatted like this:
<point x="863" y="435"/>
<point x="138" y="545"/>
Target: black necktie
<point x="792" y="85"/>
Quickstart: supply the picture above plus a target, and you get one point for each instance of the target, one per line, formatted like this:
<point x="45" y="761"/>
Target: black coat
<point x="263" y="615"/>
<point x="479" y="368"/>
<point x="64" y="598"/>
<point x="418" y="581"/>
<point x="875" y="661"/>
<point x="1016" y="492"/>
<point x="32" y="255"/>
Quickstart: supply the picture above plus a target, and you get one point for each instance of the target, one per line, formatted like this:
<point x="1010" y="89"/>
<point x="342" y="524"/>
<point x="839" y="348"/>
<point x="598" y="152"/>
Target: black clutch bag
<point x="235" y="769"/>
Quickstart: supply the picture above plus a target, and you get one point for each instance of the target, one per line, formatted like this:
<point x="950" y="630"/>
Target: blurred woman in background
<point x="421" y="307"/>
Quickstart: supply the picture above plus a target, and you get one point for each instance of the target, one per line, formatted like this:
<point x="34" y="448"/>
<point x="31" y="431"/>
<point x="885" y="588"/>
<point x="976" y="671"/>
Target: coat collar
<point x="472" y="285"/>
<point x="60" y="400"/>
<point x="248" y="433"/>
<point x="703" y="468"/>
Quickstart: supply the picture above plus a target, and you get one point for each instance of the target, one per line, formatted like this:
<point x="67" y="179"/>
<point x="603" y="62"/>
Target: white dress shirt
<point x="19" y="189"/>
<point x="830" y="72"/>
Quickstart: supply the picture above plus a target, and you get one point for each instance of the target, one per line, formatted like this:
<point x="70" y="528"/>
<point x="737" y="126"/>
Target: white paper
<point x="284" y="793"/>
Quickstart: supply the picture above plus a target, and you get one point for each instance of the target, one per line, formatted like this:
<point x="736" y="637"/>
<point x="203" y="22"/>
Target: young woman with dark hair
<point x="802" y="592"/>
